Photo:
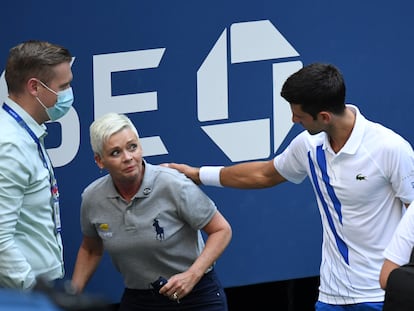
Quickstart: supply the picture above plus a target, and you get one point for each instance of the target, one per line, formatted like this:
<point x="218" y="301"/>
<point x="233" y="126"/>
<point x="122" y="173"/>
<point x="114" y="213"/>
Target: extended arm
<point x="89" y="255"/>
<point x="249" y="175"/>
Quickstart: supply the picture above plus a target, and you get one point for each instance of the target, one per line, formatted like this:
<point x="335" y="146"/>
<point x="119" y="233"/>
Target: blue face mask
<point x="63" y="103"/>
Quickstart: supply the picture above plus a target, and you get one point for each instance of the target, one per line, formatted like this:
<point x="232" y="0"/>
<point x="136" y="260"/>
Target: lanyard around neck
<point x="23" y="124"/>
<point x="53" y="184"/>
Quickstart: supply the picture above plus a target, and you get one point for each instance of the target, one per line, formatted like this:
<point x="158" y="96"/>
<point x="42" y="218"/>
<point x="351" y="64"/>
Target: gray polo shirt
<point x="157" y="233"/>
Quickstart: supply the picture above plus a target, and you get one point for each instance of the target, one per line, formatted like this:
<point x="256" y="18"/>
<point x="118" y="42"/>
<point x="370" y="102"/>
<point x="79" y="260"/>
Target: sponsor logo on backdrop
<point x="243" y="140"/>
<point x="247" y="42"/>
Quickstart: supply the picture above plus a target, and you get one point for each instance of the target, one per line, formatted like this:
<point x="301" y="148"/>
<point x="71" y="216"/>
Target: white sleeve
<point x="401" y="244"/>
<point x="292" y="162"/>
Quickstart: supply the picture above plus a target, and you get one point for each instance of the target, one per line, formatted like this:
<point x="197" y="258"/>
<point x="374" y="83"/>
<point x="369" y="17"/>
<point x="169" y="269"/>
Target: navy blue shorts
<point x="364" y="306"/>
<point x="207" y="295"/>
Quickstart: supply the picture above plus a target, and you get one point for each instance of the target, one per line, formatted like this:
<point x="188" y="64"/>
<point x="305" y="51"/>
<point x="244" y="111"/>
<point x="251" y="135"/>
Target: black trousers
<point x="207" y="295"/>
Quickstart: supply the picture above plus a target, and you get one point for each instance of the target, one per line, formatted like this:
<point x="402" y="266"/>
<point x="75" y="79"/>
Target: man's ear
<point x="325" y="116"/>
<point x="32" y="86"/>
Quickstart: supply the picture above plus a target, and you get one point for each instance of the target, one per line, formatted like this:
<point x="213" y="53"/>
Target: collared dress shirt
<point x="30" y="247"/>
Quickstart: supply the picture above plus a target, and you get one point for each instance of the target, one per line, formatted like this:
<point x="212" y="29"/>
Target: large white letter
<point x="103" y="66"/>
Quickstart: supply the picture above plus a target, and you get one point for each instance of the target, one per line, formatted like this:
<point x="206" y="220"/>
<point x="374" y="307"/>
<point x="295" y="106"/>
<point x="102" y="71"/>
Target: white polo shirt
<point x="359" y="191"/>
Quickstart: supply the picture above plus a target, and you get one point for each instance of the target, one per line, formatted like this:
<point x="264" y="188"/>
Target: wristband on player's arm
<point x="210" y="175"/>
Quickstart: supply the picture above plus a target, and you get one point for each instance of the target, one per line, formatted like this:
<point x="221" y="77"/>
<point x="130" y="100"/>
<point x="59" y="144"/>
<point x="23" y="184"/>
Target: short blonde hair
<point x="105" y="126"/>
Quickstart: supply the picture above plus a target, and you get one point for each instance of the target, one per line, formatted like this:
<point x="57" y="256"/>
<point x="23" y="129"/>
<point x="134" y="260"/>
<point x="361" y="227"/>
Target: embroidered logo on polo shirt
<point x="360" y="177"/>
<point x="104" y="227"/>
<point x="103" y="230"/>
<point x="159" y="231"/>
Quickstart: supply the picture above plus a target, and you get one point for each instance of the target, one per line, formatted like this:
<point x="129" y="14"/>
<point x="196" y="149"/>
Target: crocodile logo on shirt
<point x="360" y="177"/>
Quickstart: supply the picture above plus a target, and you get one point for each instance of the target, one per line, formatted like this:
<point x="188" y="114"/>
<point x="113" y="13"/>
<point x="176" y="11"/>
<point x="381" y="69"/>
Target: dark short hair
<point x="316" y="87"/>
<point x="33" y="59"/>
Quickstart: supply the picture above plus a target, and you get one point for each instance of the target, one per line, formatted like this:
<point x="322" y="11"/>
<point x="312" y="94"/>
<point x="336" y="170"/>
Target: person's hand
<point x="179" y="285"/>
<point x="189" y="171"/>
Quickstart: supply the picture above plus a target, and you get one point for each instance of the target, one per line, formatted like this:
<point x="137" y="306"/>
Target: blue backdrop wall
<point x="201" y="81"/>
